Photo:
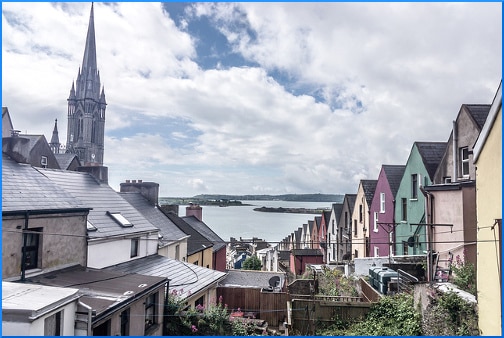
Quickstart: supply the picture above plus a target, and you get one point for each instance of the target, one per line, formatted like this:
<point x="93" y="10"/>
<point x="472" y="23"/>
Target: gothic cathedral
<point x="86" y="107"/>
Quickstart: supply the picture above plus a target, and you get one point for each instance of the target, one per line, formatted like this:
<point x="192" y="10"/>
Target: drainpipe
<point x="25" y="239"/>
<point x="90" y="316"/>
<point x="165" y="310"/>
<point x="455" y="152"/>
<point x="428" y="217"/>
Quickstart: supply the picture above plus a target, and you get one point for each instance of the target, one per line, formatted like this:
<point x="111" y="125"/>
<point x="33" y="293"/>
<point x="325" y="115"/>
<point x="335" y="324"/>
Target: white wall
<point x="106" y="253"/>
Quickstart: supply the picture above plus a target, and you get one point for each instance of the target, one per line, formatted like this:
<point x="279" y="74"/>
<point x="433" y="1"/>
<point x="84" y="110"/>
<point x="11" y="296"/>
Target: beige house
<point x="360" y="218"/>
<point x="488" y="160"/>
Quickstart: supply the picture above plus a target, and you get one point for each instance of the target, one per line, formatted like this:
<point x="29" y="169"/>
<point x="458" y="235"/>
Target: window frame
<point x="125" y="322"/>
<point x="135" y="247"/>
<point x="375" y="222"/>
<point x="58" y="327"/>
<point x="464" y="162"/>
<point x="151" y="302"/>
<point x="32" y="248"/>
<point x="382" y="203"/>
<point x="404" y="209"/>
<point x="414" y="186"/>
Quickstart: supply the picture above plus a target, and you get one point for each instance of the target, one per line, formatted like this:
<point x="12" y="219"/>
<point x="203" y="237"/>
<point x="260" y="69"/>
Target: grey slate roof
<point x="103" y="199"/>
<point x="479" y="113"/>
<point x="394" y="175"/>
<point x="64" y="160"/>
<point x="24" y="188"/>
<point x="338" y="208"/>
<point x="308" y="252"/>
<point x="189" y="277"/>
<point x="431" y="153"/>
<point x="170" y="232"/>
<point x="310" y="227"/>
<point x="369" y="187"/>
<point x="197" y="242"/>
<point x="203" y="229"/>
<point x="351" y="201"/>
<point x="251" y="279"/>
<point x="318" y="219"/>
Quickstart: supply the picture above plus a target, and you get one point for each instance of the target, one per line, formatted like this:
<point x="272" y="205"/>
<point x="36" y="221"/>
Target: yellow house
<point x="487" y="153"/>
<point x="360" y="218"/>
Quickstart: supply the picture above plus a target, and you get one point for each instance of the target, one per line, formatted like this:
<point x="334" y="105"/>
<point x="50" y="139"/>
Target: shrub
<point x="464" y="275"/>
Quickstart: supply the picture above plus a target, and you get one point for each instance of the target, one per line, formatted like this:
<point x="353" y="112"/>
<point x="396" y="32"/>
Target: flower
<point x="194" y="328"/>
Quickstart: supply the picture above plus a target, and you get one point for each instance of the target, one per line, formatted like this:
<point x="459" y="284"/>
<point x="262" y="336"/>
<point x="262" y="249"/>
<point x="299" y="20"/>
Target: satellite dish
<point x="274" y="281"/>
<point x="411" y="241"/>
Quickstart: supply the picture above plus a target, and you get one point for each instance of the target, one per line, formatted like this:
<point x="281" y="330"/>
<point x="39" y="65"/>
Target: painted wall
<point x="359" y="237"/>
<point x="170" y="250"/>
<point x="114" y="251"/>
<point x="332" y="237"/>
<point x="344" y="246"/>
<point x="489" y="208"/>
<point x="55" y="251"/>
<point x="457" y="207"/>
<point x="203" y="258"/>
<point x="299" y="263"/>
<point x="380" y="235"/>
<point x="415" y="206"/>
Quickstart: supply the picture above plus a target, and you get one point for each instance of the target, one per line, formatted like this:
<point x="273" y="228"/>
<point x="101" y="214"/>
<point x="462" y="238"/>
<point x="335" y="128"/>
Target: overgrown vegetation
<point x="214" y="320"/>
<point x="464" y="275"/>
<point x="449" y="315"/>
<point x="332" y="282"/>
<point x="252" y="263"/>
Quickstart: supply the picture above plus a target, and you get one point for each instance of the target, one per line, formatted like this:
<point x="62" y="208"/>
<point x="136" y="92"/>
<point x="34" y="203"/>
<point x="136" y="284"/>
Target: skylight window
<point x="120" y="219"/>
<point x="90" y="226"/>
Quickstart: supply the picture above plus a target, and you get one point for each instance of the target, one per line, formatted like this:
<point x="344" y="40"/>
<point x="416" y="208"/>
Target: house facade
<point x="420" y="168"/>
<point x="487" y="156"/>
<point x="344" y="241"/>
<point x="383" y="223"/>
<point x="334" y="232"/>
<point x="361" y="219"/>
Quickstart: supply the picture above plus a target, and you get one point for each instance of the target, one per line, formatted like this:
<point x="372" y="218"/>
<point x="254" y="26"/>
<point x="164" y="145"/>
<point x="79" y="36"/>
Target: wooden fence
<point x="268" y="306"/>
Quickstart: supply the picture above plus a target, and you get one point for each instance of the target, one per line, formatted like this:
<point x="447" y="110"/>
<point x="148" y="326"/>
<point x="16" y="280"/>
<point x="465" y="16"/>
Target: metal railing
<point x="405" y="281"/>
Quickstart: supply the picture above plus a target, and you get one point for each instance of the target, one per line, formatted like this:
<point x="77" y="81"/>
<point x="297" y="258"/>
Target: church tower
<point x="86" y="107"/>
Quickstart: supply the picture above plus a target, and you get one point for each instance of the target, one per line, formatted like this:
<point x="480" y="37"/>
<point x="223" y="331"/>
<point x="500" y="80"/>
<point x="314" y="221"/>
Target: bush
<point x="252" y="263"/>
<point x="464" y="275"/>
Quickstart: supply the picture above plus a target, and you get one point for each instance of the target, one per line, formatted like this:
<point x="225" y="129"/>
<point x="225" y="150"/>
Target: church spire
<point x="55" y="143"/>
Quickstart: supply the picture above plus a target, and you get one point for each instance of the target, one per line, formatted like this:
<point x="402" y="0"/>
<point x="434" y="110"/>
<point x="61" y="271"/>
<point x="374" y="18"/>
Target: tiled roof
<point x="479" y="113"/>
<point x="394" y="175"/>
<point x="197" y="242"/>
<point x="24" y="188"/>
<point x="369" y="187"/>
<point x="189" y="277"/>
<point x="103" y="199"/>
<point x="253" y="279"/>
<point x="205" y="230"/>
<point x="431" y="153"/>
<point x="168" y="229"/>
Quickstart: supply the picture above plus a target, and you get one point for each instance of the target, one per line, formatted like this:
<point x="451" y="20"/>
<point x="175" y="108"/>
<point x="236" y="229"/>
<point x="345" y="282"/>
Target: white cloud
<point x="410" y="66"/>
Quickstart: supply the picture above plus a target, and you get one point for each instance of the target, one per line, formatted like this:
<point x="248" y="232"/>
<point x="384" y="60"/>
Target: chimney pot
<point x="140" y="181"/>
<point x="127" y="181"/>
<point x="133" y="181"/>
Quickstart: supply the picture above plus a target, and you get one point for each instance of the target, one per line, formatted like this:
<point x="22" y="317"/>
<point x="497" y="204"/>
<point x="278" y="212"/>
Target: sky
<point x="255" y="98"/>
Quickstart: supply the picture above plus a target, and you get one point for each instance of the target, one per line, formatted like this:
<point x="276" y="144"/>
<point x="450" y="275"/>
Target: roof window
<point x="90" y="226"/>
<point x="120" y="219"/>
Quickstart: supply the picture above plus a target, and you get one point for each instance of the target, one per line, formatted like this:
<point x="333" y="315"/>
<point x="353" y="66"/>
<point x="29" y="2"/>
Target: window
<point x="52" y="325"/>
<point x="31" y="249"/>
<point x="360" y="213"/>
<point x="375" y="223"/>
<point x="90" y="226"/>
<point x="347" y="224"/>
<point x="464" y="162"/>
<point x="376" y="251"/>
<point x="414" y="186"/>
<point x="382" y="202"/>
<point x="356" y="253"/>
<point x="150" y="310"/>
<point x="447" y="179"/>
<point x="355" y="228"/>
<point x="341" y="234"/>
<point x="102" y="329"/>
<point x="120" y="219"/>
<point x="200" y="301"/>
<point x="177" y="252"/>
<point x="333" y="226"/>
<point x="405" y="247"/>
<point x="125" y="316"/>
<point x="43" y="161"/>
<point x="404" y="209"/>
<point x="135" y="243"/>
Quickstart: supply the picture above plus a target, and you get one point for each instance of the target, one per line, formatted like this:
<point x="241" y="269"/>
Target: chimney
<point x="99" y="172"/>
<point x="195" y="210"/>
<point x="149" y="190"/>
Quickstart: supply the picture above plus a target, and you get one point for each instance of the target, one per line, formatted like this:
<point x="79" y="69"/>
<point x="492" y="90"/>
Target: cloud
<point x="302" y="97"/>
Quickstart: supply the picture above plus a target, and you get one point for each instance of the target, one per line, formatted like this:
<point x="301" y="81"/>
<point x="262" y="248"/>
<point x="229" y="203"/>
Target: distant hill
<point x="335" y="198"/>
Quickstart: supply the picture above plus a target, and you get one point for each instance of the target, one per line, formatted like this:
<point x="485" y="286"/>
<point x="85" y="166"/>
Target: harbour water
<point x="243" y="221"/>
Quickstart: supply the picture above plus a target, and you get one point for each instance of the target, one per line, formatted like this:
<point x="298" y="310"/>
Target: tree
<point x="252" y="263"/>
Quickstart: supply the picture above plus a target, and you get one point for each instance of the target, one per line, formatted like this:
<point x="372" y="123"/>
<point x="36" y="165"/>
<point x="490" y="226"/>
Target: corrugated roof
<point x="431" y="153"/>
<point x="168" y="229"/>
<point x="182" y="276"/>
<point x="202" y="228"/>
<point x="197" y="242"/>
<point x="394" y="174"/>
<point x="24" y="188"/>
<point x="103" y="199"/>
<point x="252" y="279"/>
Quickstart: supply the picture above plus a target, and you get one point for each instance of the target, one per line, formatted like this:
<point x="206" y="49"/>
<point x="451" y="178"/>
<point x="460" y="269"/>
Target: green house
<point x="410" y="234"/>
